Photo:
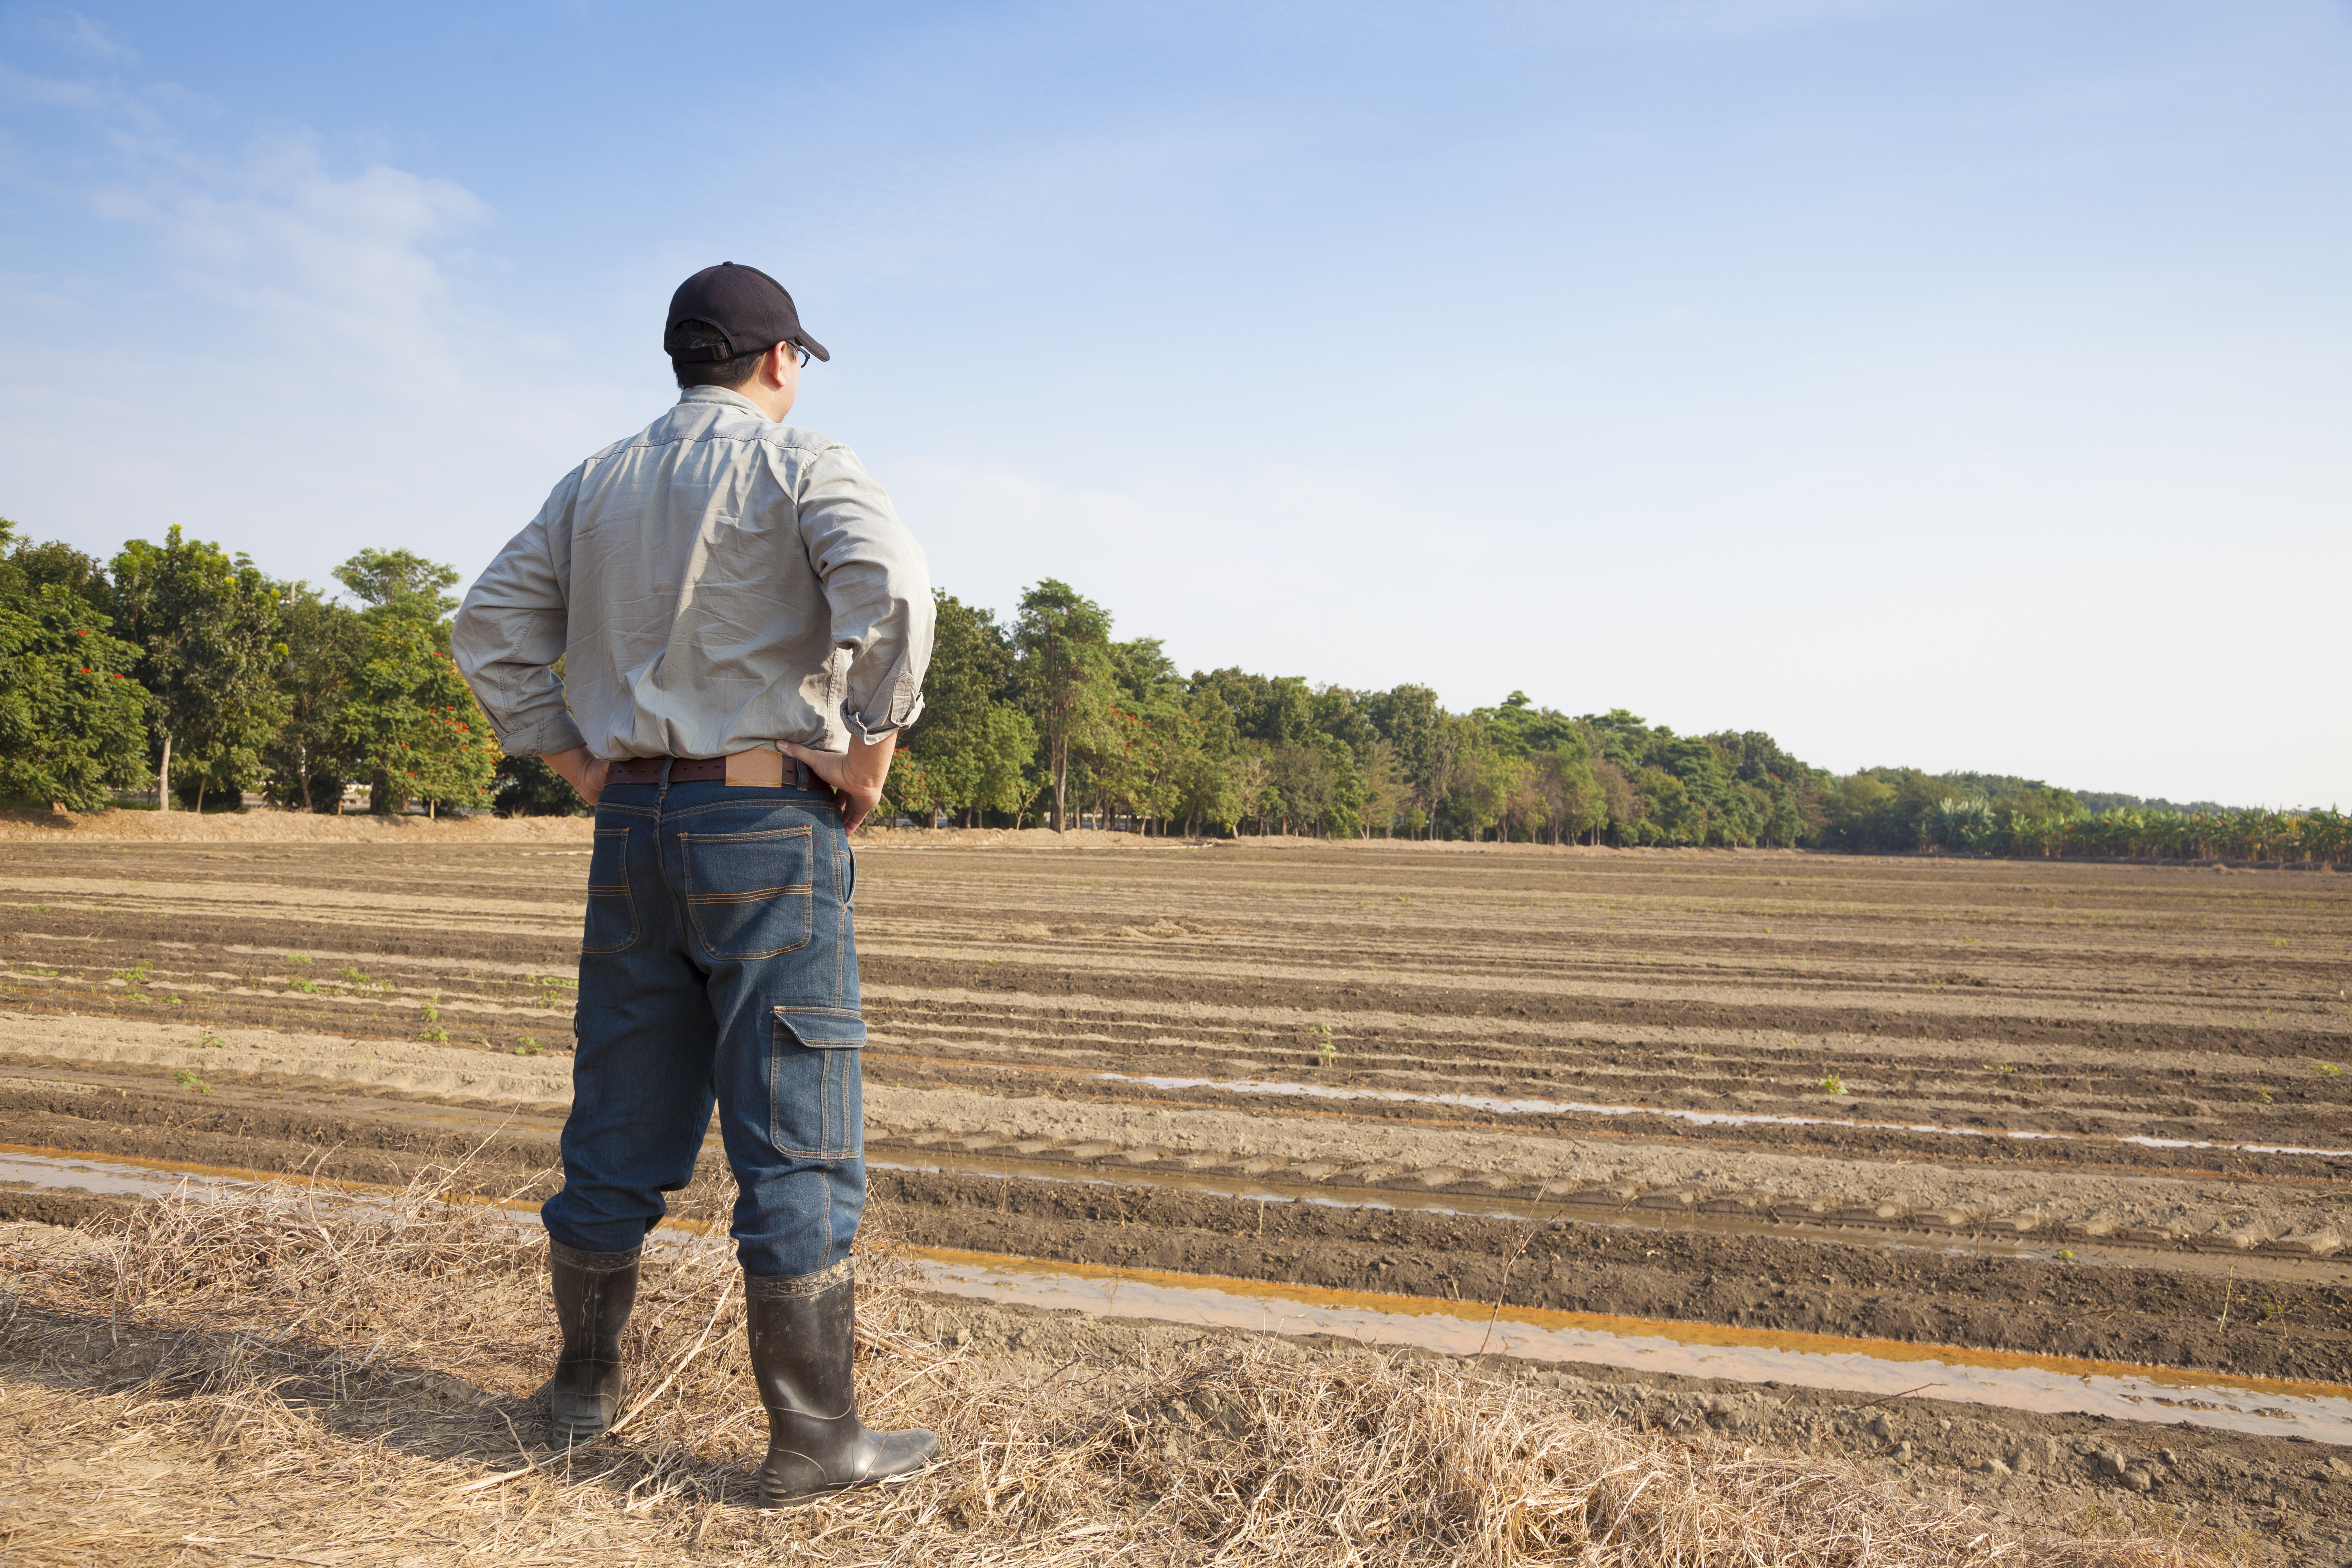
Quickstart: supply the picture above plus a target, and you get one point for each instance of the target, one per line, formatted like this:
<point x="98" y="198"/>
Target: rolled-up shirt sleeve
<point x="878" y="586"/>
<point x="508" y="633"/>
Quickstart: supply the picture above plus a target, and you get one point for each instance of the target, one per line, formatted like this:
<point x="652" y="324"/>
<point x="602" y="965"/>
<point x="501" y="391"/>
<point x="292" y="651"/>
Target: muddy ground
<point x="2088" y="1109"/>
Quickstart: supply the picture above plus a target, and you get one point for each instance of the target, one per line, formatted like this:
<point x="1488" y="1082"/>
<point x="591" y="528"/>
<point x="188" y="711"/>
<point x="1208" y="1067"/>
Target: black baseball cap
<point x="727" y="310"/>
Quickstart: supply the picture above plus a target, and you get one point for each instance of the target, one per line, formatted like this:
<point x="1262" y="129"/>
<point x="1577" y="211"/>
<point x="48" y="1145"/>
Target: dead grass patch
<point x="295" y="1376"/>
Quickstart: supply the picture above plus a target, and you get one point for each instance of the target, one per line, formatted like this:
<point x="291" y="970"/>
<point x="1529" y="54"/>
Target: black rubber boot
<point x="803" y="1334"/>
<point x="593" y="1293"/>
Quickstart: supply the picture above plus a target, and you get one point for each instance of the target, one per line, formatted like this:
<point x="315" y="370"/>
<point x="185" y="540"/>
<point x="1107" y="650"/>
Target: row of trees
<point x="1055" y="717"/>
<point x="180" y="667"/>
<point x="1903" y="810"/>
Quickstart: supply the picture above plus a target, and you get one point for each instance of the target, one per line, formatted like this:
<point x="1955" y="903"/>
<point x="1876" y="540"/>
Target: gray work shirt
<point x="714" y="583"/>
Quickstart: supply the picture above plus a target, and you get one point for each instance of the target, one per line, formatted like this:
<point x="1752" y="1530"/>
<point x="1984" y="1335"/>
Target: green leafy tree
<point x="958" y="747"/>
<point x="1062" y="646"/>
<point x="324" y="645"/>
<point x="1623" y="808"/>
<point x="1204" y="790"/>
<point x="1137" y="760"/>
<point x="412" y="723"/>
<point x="29" y="567"/>
<point x="911" y="792"/>
<point x="408" y="719"/>
<point x="1005" y="776"/>
<point x="72" y="720"/>
<point x="206" y="628"/>
<point x="1574" y="804"/>
<point x="1479" y="791"/>
<point x="400" y="581"/>
<point x="1387" y="797"/>
<point x="1249" y="784"/>
<point x="1411" y="721"/>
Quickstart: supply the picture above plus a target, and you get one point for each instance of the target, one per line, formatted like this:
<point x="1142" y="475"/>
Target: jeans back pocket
<point x="612" y="922"/>
<point x="750" y="895"/>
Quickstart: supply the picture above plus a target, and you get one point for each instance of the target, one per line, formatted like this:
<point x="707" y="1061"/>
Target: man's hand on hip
<point x="581" y="770"/>
<point x="856" y="775"/>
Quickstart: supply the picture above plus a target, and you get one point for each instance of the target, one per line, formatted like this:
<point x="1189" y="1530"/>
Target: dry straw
<point x="293" y="1376"/>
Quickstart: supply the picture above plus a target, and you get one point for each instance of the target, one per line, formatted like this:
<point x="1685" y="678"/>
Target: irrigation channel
<point x="2046" y="1384"/>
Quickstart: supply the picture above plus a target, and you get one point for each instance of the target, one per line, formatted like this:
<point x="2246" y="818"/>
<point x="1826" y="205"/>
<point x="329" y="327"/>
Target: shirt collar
<point x="727" y="396"/>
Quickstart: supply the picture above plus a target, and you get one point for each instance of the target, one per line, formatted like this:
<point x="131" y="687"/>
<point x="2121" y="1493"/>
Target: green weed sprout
<point x="1833" y="1085"/>
<point x="187" y="1080"/>
<point x="1325" y="1053"/>
<point x="2329" y="1069"/>
<point x="529" y="1047"/>
<point x="434" y="1033"/>
<point x="208" y="1041"/>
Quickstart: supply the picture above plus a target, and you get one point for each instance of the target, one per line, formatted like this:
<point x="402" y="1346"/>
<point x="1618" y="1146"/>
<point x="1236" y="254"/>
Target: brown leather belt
<point x="758" y="768"/>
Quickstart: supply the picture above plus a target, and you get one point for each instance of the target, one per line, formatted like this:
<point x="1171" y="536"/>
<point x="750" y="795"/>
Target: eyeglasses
<point x="803" y="355"/>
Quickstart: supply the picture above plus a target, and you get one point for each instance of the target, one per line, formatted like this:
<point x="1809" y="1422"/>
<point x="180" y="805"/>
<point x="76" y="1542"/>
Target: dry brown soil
<point x="1143" y="1055"/>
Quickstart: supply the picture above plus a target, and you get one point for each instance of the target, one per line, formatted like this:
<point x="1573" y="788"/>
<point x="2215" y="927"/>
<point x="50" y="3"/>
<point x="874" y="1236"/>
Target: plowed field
<point x="2089" y="1109"/>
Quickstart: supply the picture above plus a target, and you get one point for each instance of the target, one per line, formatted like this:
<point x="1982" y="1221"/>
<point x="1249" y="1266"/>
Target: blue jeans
<point x="718" y="967"/>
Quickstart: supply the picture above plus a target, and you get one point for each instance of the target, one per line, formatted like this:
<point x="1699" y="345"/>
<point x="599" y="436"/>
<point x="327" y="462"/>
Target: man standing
<point x="744" y="625"/>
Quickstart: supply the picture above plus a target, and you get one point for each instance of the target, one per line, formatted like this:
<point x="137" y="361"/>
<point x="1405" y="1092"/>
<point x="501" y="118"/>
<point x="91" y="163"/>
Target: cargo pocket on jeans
<point x="749" y="894"/>
<point x="816" y="1105"/>
<point x="612" y="922"/>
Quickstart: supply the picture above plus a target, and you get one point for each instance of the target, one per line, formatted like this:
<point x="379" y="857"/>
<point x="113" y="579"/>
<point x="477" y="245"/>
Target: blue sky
<point x="1955" y="384"/>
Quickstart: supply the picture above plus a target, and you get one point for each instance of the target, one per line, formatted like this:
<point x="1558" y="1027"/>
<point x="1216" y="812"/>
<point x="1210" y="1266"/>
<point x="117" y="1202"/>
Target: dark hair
<point x="728" y="372"/>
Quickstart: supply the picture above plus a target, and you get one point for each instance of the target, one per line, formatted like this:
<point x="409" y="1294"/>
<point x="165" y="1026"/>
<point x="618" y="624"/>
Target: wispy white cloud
<point x="363" y="259"/>
<point x="360" y="257"/>
<point x="270" y="281"/>
<point x="90" y="39"/>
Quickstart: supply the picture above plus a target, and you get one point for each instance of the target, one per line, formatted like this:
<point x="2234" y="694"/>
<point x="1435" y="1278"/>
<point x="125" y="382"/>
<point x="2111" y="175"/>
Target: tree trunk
<point x="200" y="795"/>
<point x="164" y="776"/>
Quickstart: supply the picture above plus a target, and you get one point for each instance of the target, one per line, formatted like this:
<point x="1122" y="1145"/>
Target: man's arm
<point x="582" y="769"/>
<point x="856" y="775"/>
<point x="878" y="587"/>
<point x="508" y="633"/>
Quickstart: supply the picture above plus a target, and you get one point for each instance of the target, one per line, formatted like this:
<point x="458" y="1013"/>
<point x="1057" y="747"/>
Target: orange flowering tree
<point x="407" y="718"/>
<point x="412" y="724"/>
<point x="73" y="721"/>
